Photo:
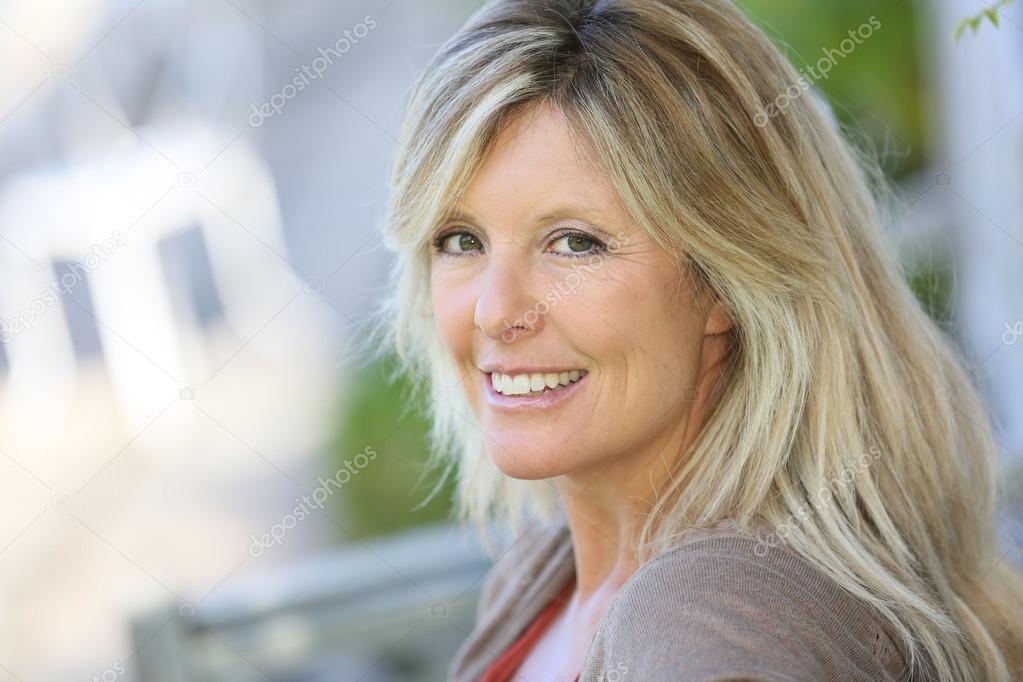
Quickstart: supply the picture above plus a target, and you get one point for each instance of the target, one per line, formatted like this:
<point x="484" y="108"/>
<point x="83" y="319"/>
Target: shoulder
<point x="540" y="553"/>
<point x="724" y="606"/>
<point x="526" y="573"/>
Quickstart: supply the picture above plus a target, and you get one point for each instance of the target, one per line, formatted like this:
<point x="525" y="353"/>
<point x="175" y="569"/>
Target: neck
<point x="607" y="504"/>
<point x="604" y="523"/>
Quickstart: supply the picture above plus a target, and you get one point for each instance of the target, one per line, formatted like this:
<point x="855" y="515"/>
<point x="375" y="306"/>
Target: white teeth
<point x="521" y="384"/>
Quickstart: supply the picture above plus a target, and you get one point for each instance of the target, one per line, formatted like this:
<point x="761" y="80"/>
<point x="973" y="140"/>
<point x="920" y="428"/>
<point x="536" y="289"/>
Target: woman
<point x="644" y="282"/>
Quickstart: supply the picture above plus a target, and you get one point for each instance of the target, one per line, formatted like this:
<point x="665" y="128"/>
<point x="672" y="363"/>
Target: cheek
<point x="656" y="333"/>
<point x="671" y="350"/>
<point x="453" y="310"/>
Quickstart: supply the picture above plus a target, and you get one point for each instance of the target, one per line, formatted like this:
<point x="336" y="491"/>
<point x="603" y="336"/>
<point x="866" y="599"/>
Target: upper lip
<point x="493" y="367"/>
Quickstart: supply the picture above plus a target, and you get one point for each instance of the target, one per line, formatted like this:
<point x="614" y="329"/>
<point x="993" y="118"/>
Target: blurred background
<point x="200" y="479"/>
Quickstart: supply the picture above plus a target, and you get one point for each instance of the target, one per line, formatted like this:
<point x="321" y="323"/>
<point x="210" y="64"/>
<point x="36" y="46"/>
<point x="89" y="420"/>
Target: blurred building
<point x="181" y="282"/>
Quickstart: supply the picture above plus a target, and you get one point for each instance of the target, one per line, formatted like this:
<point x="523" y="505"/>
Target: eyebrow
<point x="457" y="213"/>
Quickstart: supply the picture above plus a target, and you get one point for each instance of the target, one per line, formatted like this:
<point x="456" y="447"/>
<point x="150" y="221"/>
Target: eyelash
<point x="599" y="247"/>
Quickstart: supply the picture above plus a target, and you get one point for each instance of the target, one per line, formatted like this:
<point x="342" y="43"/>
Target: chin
<point x="526" y="464"/>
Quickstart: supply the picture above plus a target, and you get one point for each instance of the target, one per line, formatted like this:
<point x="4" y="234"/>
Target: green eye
<point x="459" y="243"/>
<point x="578" y="243"/>
<point x="575" y="244"/>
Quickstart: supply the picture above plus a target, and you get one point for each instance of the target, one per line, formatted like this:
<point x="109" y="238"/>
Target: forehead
<point x="536" y="165"/>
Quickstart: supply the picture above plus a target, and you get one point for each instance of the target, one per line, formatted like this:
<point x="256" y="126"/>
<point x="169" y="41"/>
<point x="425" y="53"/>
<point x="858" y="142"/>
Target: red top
<point x="502" y="669"/>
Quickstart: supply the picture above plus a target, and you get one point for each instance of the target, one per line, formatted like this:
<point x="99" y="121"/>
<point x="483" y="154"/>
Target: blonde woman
<point x="643" y="280"/>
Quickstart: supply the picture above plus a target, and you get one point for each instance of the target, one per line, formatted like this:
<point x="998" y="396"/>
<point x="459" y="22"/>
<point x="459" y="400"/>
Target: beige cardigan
<point x="710" y="609"/>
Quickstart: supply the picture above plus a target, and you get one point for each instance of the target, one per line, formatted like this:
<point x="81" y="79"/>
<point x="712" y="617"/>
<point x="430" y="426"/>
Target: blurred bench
<point x="393" y="609"/>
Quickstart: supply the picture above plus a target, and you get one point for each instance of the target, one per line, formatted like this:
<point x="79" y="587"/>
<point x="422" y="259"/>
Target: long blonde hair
<point x="838" y="382"/>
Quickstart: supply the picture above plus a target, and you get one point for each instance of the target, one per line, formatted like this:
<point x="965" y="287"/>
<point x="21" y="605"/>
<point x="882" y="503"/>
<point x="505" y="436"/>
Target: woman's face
<point x="577" y="339"/>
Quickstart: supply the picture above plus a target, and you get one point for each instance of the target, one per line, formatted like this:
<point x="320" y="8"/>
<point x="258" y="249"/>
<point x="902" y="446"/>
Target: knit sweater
<point x="718" y="606"/>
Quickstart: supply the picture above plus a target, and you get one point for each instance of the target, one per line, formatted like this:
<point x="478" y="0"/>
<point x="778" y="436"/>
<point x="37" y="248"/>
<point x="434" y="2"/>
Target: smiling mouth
<point x="535" y="384"/>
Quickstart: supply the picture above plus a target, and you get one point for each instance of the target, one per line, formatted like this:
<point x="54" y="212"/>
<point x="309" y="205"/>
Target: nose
<point x="505" y="310"/>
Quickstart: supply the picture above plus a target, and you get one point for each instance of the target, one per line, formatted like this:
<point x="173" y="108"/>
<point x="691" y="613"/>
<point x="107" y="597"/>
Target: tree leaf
<point x="974" y="22"/>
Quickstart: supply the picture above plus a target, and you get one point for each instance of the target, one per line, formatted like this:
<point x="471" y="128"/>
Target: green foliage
<point x="386" y="495"/>
<point x="877" y="89"/>
<point x="933" y="282"/>
<point x="974" y="22"/>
